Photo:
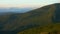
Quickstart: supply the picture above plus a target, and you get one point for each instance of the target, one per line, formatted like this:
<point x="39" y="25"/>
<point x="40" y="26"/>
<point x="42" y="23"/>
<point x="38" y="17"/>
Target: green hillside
<point x="52" y="29"/>
<point x="35" y="21"/>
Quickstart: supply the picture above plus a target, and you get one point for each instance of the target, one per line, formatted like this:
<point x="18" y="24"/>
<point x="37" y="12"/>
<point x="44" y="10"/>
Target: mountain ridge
<point x="41" y="16"/>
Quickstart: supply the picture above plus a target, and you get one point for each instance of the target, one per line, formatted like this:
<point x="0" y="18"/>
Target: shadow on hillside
<point x="7" y="32"/>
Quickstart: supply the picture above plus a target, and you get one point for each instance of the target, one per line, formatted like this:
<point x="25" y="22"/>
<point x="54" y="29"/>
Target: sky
<point x="26" y="3"/>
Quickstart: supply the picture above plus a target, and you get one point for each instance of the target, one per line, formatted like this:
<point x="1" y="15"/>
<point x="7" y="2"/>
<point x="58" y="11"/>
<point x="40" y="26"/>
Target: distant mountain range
<point x="18" y="22"/>
<point x="15" y="10"/>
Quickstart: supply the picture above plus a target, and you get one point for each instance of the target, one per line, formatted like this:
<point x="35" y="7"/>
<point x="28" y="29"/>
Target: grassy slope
<point x="46" y="19"/>
<point x="38" y="30"/>
<point x="13" y="21"/>
<point x="41" y="16"/>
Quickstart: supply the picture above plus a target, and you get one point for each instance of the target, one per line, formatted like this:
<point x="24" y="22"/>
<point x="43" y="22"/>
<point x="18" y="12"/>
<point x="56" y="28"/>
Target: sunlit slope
<point x="53" y="28"/>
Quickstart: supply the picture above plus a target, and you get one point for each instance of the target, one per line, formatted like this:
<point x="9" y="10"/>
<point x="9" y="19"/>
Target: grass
<point x="37" y="30"/>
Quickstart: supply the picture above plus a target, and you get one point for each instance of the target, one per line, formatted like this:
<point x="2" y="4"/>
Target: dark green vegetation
<point x="43" y="19"/>
<point x="47" y="29"/>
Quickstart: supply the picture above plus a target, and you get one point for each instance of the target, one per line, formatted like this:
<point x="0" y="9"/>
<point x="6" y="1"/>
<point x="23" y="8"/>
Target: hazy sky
<point x="26" y="3"/>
